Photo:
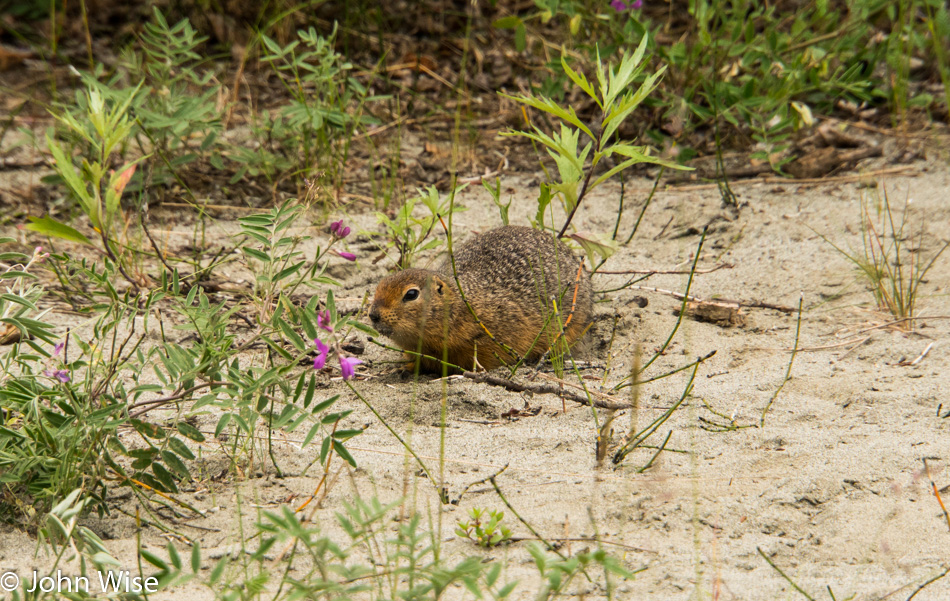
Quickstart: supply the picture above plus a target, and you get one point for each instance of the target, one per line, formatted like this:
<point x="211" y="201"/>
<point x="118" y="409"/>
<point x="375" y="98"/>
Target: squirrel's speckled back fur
<point x="509" y="276"/>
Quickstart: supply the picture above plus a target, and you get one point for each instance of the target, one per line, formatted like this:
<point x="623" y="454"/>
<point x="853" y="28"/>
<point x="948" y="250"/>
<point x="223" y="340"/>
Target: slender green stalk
<point x="442" y="493"/>
<point x="783" y="574"/>
<point x="791" y="361"/>
<point x="682" y="312"/>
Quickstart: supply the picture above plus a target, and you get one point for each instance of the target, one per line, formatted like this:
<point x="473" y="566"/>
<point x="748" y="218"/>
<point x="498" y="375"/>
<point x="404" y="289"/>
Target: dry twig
<point x="513" y="386"/>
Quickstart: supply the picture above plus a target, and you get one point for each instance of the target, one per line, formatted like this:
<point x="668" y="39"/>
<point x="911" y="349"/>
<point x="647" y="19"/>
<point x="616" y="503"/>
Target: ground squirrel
<point x="510" y="277"/>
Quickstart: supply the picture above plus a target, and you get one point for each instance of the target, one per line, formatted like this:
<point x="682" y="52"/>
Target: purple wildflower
<point x="637" y="4"/>
<point x="323" y="320"/>
<point x="348" y="366"/>
<point x="58" y="348"/>
<point x="346" y="255"/>
<point x="339" y="230"/>
<point x="321" y="359"/>
<point x="60" y="374"/>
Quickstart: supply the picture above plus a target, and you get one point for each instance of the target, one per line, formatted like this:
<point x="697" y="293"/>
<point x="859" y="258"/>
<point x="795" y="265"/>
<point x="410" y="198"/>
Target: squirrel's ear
<point x="439" y="285"/>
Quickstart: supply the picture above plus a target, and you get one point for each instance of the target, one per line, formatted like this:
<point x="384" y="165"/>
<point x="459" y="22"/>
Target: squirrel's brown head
<point x="409" y="304"/>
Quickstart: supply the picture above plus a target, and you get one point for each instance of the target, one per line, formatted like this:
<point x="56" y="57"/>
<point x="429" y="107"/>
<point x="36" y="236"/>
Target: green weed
<point x="578" y="161"/>
<point x="370" y="560"/>
<point x="63" y="409"/>
<point x="893" y="261"/>
<point x="105" y="128"/>
<point x="484" y="527"/>
<point x="756" y="69"/>
<point x="177" y="110"/>
<point x="310" y="136"/>
<point x="273" y="254"/>
<point x="409" y="234"/>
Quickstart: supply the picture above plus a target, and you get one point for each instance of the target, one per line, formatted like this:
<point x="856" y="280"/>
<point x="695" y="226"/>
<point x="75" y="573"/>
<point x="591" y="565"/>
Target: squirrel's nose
<point x="374" y="316"/>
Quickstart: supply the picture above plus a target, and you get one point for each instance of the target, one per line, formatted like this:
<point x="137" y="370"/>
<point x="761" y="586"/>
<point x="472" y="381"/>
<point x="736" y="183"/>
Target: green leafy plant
<point x="68" y="405"/>
<point x="273" y="254"/>
<point x="577" y="163"/>
<point x="97" y="188"/>
<point x="164" y="121"/>
<point x="310" y="135"/>
<point x="172" y="113"/>
<point x="558" y="572"/>
<point x="330" y="568"/>
<point x="773" y="135"/>
<point x="765" y="85"/>
<point x="177" y="110"/>
<point x="71" y="542"/>
<point x="409" y="234"/>
<point x="248" y="398"/>
<point x="484" y="527"/>
<point x="495" y="192"/>
<point x="735" y="68"/>
<point x="19" y="310"/>
<point x="65" y="412"/>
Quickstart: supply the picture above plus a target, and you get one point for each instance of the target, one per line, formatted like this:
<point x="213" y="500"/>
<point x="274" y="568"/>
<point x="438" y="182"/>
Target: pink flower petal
<point x="348" y="366"/>
<point x="323" y="320"/>
<point x="321" y="359"/>
<point x="60" y="374"/>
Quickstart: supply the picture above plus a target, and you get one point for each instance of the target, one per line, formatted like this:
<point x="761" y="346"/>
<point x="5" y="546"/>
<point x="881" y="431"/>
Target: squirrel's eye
<point x="411" y="295"/>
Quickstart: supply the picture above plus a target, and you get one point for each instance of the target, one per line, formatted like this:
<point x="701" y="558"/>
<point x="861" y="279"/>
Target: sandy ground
<point x="832" y="488"/>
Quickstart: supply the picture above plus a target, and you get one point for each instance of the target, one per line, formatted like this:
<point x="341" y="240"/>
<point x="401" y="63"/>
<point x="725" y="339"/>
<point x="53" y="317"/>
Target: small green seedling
<point x="485" y="528"/>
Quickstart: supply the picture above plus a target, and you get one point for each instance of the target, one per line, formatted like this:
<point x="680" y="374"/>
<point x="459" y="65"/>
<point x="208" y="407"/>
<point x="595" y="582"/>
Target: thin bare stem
<point x="791" y="361"/>
<point x="783" y="575"/>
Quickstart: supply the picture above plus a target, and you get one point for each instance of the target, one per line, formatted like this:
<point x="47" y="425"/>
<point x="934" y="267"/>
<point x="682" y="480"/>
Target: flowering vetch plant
<point x="60" y="374"/>
<point x="325" y="322"/>
<point x="321" y="359"/>
<point x="339" y="230"/>
<point x="348" y="366"/>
